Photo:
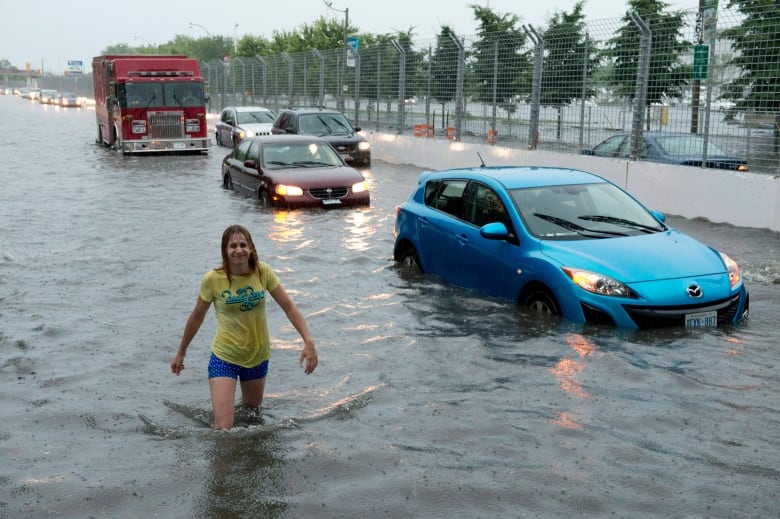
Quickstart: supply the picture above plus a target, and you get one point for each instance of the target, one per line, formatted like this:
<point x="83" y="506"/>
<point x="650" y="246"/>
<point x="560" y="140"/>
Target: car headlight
<point x="248" y="133"/>
<point x="732" y="269"/>
<point x="363" y="146"/>
<point x="283" y="190"/>
<point x="360" y="187"/>
<point x="241" y="134"/>
<point x="598" y="283"/>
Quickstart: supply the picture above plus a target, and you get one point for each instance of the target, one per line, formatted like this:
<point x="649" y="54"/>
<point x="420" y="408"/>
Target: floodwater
<point x="428" y="401"/>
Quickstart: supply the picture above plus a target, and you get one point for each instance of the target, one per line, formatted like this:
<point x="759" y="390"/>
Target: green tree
<point x="668" y="74"/>
<point x="568" y="54"/>
<point x="498" y="32"/>
<point x="756" y="46"/>
<point x="444" y="66"/>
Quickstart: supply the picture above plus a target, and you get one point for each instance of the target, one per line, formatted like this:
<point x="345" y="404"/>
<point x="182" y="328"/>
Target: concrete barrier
<point x="739" y="199"/>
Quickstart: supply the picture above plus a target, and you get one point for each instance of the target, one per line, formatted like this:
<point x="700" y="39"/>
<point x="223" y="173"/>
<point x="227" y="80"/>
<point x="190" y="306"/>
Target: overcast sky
<point x="48" y="33"/>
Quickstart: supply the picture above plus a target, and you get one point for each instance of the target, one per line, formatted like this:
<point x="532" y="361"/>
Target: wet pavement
<point x="429" y="401"/>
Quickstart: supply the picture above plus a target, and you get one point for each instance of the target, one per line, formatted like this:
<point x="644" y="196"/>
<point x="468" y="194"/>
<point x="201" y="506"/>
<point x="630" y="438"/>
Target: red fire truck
<point x="150" y="103"/>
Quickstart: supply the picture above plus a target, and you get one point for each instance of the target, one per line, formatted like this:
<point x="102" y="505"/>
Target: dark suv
<point x="330" y="125"/>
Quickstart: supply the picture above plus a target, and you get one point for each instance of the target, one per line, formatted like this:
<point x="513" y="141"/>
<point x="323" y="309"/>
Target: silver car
<point x="239" y="122"/>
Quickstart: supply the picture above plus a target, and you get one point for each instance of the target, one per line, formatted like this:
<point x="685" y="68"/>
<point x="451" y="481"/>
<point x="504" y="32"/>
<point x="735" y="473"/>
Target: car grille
<point x="344" y="148"/>
<point x="323" y="193"/>
<point x="663" y="316"/>
<point x="166" y="125"/>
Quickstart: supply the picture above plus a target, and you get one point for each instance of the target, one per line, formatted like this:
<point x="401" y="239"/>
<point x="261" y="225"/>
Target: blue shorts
<point x="220" y="368"/>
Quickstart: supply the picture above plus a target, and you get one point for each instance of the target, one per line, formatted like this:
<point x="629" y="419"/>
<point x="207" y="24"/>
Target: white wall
<point x="740" y="199"/>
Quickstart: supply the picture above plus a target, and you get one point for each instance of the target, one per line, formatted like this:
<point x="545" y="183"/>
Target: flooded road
<point x="428" y="402"/>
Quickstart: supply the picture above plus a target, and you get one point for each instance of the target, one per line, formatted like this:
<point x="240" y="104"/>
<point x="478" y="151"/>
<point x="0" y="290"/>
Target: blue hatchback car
<point x="565" y="242"/>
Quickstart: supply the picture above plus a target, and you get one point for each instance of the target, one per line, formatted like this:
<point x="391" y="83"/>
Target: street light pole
<point x="235" y="39"/>
<point x="199" y="25"/>
<point x="329" y="5"/>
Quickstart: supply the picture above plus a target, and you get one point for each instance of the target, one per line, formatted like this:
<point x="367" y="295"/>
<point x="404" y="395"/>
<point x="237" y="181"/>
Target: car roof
<point x="285" y="138"/>
<point x="311" y="109"/>
<point x="248" y="108"/>
<point x="518" y="177"/>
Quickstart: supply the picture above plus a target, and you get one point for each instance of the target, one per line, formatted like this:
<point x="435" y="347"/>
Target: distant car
<point x="671" y="148"/>
<point x="46" y="96"/>
<point x="293" y="171"/>
<point x="567" y="243"/>
<point x="69" y="99"/>
<point x="239" y="122"/>
<point x="331" y="125"/>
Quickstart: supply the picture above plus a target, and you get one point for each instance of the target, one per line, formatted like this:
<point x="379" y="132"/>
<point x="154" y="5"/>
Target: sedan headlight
<point x="283" y="190"/>
<point x="598" y="283"/>
<point x="360" y="187"/>
<point x="363" y="146"/>
<point x="732" y="269"/>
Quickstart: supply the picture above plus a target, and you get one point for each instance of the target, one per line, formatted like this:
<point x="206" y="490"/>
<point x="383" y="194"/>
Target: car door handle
<point x="462" y="239"/>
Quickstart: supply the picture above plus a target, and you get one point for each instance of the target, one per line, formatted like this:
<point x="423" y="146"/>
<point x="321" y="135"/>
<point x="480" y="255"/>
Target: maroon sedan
<point x="293" y="171"/>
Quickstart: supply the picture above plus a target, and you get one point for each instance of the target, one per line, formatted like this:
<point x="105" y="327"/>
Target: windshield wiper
<point x="151" y="100"/>
<point x="619" y="221"/>
<point x="571" y="226"/>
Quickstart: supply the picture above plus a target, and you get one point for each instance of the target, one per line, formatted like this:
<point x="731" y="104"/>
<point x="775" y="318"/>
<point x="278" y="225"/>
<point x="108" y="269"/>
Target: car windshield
<point x="579" y="211"/>
<point x="300" y="155"/>
<point x="687" y="146"/>
<point x="324" y="124"/>
<point x="255" y="117"/>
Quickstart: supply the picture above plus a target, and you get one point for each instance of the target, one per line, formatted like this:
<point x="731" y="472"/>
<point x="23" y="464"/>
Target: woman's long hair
<point x="253" y="259"/>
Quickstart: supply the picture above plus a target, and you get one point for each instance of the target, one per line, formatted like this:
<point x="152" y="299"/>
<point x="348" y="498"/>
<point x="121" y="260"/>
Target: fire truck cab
<point x="150" y="103"/>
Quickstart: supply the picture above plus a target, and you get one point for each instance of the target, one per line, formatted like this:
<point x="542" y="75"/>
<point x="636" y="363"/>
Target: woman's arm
<point x="194" y="321"/>
<point x="309" y="353"/>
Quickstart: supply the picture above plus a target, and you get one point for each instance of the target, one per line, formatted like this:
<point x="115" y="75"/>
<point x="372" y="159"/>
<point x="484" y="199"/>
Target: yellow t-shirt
<point x="242" y="331"/>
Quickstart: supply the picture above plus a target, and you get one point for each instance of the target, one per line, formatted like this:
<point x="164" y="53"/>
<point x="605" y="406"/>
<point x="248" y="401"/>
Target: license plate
<point x="701" y="319"/>
<point x="331" y="201"/>
<point x="179" y="145"/>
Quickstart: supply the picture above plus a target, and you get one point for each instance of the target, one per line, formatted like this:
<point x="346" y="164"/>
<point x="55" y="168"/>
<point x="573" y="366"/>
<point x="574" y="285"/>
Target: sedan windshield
<point x="255" y="117"/>
<point x="583" y="210"/>
<point x="687" y="146"/>
<point x="324" y="124"/>
<point x="300" y="155"/>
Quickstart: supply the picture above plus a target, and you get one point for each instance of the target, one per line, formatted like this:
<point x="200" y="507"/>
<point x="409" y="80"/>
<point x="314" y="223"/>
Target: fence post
<point x="536" y="86"/>
<point x="401" y="85"/>
<point x="459" y="87"/>
<point x="642" y="71"/>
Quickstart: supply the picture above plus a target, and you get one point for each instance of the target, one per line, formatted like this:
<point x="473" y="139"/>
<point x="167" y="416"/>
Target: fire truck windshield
<point x="156" y="95"/>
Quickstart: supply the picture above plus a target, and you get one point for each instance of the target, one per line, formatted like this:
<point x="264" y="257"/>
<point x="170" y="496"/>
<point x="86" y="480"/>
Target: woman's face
<point x="238" y="252"/>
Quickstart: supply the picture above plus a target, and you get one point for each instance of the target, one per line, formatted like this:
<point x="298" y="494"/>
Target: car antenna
<point x="480" y="159"/>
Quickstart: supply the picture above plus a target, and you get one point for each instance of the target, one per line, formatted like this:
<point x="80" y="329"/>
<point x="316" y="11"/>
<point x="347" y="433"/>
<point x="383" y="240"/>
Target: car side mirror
<point x="357" y="129"/>
<point x="290" y="130"/>
<point x="494" y="231"/>
<point x="349" y="160"/>
<point x="252" y="164"/>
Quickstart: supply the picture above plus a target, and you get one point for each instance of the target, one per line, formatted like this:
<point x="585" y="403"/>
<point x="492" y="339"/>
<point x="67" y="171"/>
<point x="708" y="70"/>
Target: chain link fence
<point x="565" y="88"/>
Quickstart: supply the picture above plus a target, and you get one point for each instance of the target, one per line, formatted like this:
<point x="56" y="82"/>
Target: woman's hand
<point x="308" y="358"/>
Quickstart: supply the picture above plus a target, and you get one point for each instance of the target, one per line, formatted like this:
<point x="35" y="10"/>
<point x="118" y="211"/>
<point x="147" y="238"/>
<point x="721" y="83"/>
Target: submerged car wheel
<point x="227" y="181"/>
<point x="263" y="198"/>
<point x="409" y="260"/>
<point x="541" y="301"/>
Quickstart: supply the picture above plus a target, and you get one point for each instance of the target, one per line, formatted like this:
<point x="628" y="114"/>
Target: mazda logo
<point x="694" y="291"/>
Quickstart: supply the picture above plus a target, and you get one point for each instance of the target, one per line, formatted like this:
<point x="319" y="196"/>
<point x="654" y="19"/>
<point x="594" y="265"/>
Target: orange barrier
<point x="492" y="136"/>
<point x="451" y="133"/>
<point x="423" y="130"/>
